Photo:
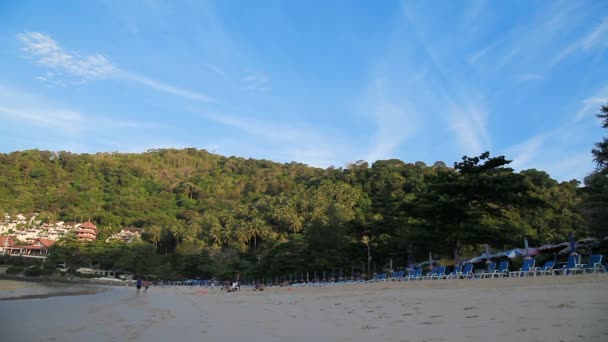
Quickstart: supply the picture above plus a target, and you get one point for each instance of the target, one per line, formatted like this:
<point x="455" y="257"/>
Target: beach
<point x="565" y="308"/>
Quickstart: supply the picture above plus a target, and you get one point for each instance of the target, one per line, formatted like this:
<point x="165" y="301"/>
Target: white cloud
<point x="51" y="55"/>
<point x="79" y="69"/>
<point x="481" y="53"/>
<point x="593" y="39"/>
<point x="25" y="110"/>
<point x="256" y="81"/>
<point x="470" y="127"/>
<point x="393" y="118"/>
<point x="290" y="142"/>
<point x="69" y="122"/>
<point x="526" y="152"/>
<point x="530" y="77"/>
<point x="160" y="86"/>
<point x="598" y="36"/>
<point x="591" y="104"/>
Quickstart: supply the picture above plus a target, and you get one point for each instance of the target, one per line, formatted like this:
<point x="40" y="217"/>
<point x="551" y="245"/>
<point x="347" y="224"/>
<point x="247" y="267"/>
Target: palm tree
<point x="155" y="232"/>
<point x="178" y="232"/>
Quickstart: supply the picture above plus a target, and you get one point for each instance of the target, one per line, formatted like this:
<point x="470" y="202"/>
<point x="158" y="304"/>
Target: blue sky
<point x="319" y="82"/>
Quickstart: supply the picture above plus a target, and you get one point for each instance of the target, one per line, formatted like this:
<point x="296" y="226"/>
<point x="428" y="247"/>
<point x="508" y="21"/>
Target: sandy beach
<point x="569" y="308"/>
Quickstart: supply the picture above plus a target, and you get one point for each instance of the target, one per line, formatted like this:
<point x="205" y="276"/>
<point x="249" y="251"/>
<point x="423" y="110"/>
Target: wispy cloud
<point x="598" y="37"/>
<point x="29" y="110"/>
<point x="290" y="141"/>
<point x="214" y="68"/>
<point x="69" y="122"/>
<point x="393" y="119"/>
<point x="477" y="55"/>
<point x="530" y="77"/>
<point x="257" y="81"/>
<point x="50" y="54"/>
<point x="81" y="69"/>
<point x="522" y="154"/>
<point x="469" y="125"/>
<point x="163" y="87"/>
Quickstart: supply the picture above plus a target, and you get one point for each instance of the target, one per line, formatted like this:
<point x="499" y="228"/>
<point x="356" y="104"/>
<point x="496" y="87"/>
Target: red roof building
<point x="87" y="231"/>
<point x="38" y="249"/>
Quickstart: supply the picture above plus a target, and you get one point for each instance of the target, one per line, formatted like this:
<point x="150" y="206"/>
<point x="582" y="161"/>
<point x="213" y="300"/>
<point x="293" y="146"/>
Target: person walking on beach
<point x="146" y="285"/>
<point x="138" y="284"/>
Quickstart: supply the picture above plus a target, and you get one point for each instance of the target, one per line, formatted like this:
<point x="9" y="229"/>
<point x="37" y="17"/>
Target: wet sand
<point x="17" y="290"/>
<point x="569" y="308"/>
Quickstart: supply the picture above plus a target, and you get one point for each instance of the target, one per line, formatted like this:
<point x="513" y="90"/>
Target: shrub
<point x="33" y="271"/>
<point x="14" y="270"/>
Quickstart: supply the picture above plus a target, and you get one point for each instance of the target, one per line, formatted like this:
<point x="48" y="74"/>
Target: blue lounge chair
<point x="454" y="274"/>
<point x="573" y="266"/>
<point x="546" y="269"/>
<point x="440" y="273"/>
<point x="431" y="274"/>
<point x="526" y="269"/>
<point x="416" y="275"/>
<point x="489" y="271"/>
<point x="595" y="264"/>
<point x="467" y="272"/>
<point x="503" y="270"/>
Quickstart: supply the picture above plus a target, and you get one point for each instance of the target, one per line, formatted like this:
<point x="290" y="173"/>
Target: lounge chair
<point x="416" y="275"/>
<point x="573" y="266"/>
<point x="454" y="273"/>
<point x="430" y="274"/>
<point x="503" y="270"/>
<point x="467" y="272"/>
<point x="595" y="264"/>
<point x="546" y="269"/>
<point x="490" y="269"/>
<point x="440" y="273"/>
<point x="526" y="269"/>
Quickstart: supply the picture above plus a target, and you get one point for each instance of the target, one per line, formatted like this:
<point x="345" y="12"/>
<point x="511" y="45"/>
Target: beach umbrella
<point x="487" y="254"/>
<point x="409" y="261"/>
<point x="514" y="253"/>
<point x="527" y="256"/>
<point x="456" y="259"/>
<point x="572" y="244"/>
<point x="552" y="247"/>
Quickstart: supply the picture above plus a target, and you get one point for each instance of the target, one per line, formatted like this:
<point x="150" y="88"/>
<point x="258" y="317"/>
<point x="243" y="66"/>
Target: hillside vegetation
<point x="267" y="218"/>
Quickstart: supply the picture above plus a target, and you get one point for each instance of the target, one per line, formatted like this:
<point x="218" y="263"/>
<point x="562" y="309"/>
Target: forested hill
<point x="189" y="200"/>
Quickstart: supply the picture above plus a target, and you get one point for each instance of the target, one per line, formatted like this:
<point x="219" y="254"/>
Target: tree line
<point x="208" y="215"/>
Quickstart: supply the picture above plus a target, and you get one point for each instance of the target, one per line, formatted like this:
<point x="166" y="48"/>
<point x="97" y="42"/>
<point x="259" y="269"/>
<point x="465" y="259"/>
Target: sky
<point x="325" y="83"/>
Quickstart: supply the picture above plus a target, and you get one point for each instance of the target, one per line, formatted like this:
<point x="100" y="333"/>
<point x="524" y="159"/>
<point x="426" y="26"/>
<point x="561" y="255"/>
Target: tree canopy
<point x="207" y="215"/>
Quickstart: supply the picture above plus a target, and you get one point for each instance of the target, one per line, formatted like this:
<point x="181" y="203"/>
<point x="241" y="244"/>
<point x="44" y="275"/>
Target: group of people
<point x="139" y="283"/>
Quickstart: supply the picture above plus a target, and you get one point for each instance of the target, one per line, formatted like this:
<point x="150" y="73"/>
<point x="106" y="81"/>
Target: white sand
<point x="571" y="308"/>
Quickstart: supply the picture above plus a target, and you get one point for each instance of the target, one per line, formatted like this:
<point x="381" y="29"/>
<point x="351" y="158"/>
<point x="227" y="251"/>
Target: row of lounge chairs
<point x="573" y="266"/>
<point x="492" y="270"/>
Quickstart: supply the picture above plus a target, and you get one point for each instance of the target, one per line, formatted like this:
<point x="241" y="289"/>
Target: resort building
<point x="128" y="234"/>
<point x="87" y="231"/>
<point x="5" y="242"/>
<point x="37" y="249"/>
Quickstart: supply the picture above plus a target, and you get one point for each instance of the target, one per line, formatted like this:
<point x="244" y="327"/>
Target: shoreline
<point x="55" y="280"/>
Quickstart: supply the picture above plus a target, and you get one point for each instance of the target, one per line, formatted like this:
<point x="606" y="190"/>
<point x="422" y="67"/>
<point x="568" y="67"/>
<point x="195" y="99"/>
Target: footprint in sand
<point x="474" y="316"/>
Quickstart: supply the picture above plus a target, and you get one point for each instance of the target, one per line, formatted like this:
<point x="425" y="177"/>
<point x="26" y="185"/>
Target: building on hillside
<point x="5" y="242"/>
<point x="87" y="231"/>
<point x="37" y="249"/>
<point x="128" y="234"/>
